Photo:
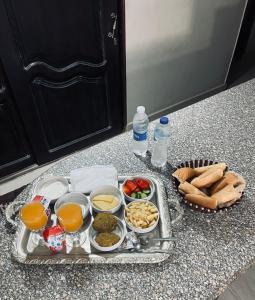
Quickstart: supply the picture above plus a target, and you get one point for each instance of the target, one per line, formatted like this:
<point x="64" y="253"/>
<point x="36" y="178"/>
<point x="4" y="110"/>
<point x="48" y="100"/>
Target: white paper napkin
<point x="86" y="179"/>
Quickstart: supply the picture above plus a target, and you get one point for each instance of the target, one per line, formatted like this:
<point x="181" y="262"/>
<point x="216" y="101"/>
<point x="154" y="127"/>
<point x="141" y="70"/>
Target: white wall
<point x="177" y="49"/>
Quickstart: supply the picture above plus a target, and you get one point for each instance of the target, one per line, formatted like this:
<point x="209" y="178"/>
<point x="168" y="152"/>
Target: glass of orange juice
<point x="71" y="219"/>
<point x="34" y="217"/>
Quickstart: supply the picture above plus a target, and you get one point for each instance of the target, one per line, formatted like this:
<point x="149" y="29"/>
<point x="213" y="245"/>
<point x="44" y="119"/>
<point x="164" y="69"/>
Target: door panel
<point x="14" y="150"/>
<point x="51" y="32"/>
<point x="12" y="147"/>
<point x="63" y="61"/>
<point x="63" y="113"/>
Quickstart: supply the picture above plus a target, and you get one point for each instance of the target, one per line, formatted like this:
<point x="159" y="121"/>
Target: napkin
<point x="86" y="179"/>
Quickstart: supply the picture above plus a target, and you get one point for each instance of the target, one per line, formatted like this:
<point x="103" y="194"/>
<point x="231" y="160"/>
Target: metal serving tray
<point x="154" y="253"/>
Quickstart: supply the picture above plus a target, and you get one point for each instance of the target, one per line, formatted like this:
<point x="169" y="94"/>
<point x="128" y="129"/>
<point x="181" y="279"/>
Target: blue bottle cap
<point x="164" y="120"/>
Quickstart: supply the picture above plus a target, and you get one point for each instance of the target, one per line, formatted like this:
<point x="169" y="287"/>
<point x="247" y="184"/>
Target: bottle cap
<point x="140" y="109"/>
<point x="164" y="120"/>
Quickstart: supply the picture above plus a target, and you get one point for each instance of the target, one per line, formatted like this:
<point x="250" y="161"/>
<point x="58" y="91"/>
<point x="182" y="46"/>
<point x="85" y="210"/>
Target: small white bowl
<point x="152" y="188"/>
<point x="77" y="198"/>
<point x="59" y="186"/>
<point x="120" y="230"/>
<point x="141" y="230"/>
<point x="106" y="190"/>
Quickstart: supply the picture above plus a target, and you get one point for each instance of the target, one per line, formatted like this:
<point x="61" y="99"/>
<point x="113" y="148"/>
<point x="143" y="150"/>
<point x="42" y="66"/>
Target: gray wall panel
<point x="177" y="49"/>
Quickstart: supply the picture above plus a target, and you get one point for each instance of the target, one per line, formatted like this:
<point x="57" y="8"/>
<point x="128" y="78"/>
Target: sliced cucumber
<point x="147" y="192"/>
<point x="138" y="195"/>
<point x="143" y="195"/>
<point x="133" y="195"/>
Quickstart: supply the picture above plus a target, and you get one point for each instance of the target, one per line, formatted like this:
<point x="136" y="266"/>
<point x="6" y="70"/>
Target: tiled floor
<point x="241" y="289"/>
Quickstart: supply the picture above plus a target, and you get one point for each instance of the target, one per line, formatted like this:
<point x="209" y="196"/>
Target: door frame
<point x="122" y="39"/>
<point x="243" y="38"/>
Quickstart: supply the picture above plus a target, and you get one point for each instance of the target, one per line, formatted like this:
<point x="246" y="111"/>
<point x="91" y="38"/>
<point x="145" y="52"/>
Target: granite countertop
<point x="212" y="248"/>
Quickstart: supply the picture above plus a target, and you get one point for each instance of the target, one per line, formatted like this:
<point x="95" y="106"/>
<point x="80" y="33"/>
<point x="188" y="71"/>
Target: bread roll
<point x="204" y="201"/>
<point x="227" y="196"/>
<point x="241" y="184"/>
<point x="208" y="178"/>
<point x="224" y="198"/>
<point x="201" y="170"/>
<point x="187" y="188"/>
<point x="206" y="173"/>
<point x="228" y="178"/>
<point x="184" y="174"/>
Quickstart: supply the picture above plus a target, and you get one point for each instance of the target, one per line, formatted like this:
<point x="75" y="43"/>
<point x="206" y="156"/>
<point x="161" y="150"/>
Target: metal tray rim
<point x="19" y="255"/>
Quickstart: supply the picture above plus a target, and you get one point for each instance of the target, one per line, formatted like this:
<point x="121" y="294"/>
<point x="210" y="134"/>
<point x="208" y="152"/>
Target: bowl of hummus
<point x="106" y="198"/>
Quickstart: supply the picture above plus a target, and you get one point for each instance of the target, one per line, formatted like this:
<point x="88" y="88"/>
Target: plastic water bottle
<point x="140" y="128"/>
<point x="161" y="135"/>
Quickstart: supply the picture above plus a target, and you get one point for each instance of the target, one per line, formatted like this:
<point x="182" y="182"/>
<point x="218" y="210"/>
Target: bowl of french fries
<point x="141" y="216"/>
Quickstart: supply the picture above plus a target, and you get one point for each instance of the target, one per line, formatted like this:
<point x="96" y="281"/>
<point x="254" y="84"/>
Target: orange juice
<point x="70" y="217"/>
<point x="33" y="215"/>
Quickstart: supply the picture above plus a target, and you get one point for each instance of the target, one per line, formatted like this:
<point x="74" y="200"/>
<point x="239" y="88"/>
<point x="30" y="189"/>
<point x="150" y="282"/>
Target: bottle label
<point x="140" y="136"/>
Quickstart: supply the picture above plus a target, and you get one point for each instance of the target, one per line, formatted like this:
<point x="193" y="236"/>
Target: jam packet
<point x="54" y="238"/>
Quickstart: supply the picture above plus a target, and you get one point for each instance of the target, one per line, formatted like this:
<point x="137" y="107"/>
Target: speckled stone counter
<point x="212" y="249"/>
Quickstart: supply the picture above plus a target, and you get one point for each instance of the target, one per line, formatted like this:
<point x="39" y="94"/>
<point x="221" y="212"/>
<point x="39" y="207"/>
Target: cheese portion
<point x="105" y="202"/>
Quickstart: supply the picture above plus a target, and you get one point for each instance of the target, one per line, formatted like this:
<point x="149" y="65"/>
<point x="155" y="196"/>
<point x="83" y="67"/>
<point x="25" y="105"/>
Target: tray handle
<point x="11" y="210"/>
<point x="175" y="204"/>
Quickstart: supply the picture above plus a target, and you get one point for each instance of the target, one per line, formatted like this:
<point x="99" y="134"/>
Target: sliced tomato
<point x="143" y="184"/>
<point x="137" y="189"/>
<point x="131" y="185"/>
<point x="126" y="190"/>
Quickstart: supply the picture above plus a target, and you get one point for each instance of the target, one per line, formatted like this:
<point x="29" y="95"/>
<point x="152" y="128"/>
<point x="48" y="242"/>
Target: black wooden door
<point x="63" y="62"/>
<point x="15" y="152"/>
